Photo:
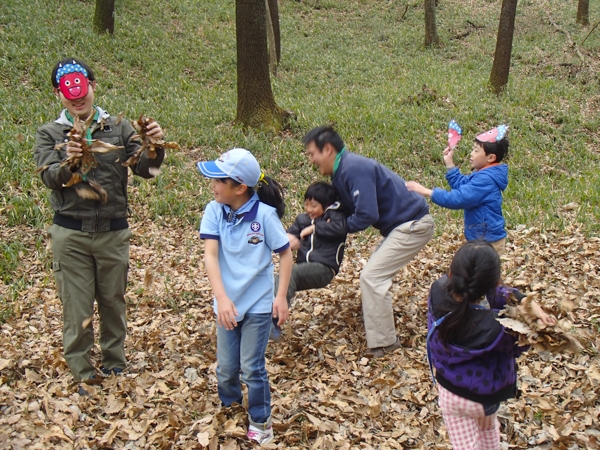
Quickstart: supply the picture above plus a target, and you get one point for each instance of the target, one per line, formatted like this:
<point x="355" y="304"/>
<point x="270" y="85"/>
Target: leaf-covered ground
<point x="325" y="394"/>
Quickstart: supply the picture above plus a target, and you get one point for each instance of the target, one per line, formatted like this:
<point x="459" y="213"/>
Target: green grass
<point x="356" y="64"/>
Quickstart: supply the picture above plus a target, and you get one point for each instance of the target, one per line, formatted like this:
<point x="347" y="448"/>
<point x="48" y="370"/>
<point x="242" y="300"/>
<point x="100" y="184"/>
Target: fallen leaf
<point x="86" y="322"/>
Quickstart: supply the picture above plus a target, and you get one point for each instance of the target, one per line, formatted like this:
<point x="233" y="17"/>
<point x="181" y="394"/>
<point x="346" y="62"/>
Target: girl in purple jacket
<point x="474" y="358"/>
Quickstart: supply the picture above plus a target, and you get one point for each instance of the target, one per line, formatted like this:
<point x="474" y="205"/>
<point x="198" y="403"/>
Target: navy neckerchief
<point x="246" y="212"/>
<point x="432" y="329"/>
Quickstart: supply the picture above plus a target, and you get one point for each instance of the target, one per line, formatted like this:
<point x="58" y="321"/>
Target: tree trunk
<point x="274" y="13"/>
<point x="431" y="36"/>
<point x="583" y="12"/>
<point x="256" y="105"/>
<point x="271" y="42"/>
<point x="506" y="28"/>
<point x="104" y="16"/>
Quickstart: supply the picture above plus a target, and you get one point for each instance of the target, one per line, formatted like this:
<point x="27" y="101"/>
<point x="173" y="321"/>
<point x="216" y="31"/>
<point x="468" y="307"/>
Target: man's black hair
<point x="64" y="61"/>
<point x="498" y="148"/>
<point x="322" y="192"/>
<point x="324" y="135"/>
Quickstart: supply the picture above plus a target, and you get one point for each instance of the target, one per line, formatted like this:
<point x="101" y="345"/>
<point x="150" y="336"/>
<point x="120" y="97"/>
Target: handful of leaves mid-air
<point x="523" y="319"/>
<point x="149" y="143"/>
<point x="80" y="165"/>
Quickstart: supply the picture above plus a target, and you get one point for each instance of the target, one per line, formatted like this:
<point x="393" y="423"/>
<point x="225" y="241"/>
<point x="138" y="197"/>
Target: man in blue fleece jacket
<point x="374" y="196"/>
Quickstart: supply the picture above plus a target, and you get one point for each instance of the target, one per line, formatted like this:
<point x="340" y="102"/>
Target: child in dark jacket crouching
<point x="319" y="236"/>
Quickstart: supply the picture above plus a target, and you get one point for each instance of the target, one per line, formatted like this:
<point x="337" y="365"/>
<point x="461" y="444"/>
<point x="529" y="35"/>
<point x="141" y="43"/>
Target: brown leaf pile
<point x="523" y="321"/>
<point x="149" y="143"/>
<point x="325" y="394"/>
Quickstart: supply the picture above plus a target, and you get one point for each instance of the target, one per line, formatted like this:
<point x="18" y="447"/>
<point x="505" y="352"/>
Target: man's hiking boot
<point x="114" y="371"/>
<point x="380" y="352"/>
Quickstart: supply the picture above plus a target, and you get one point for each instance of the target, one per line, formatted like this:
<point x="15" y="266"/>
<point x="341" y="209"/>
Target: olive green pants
<point x="88" y="267"/>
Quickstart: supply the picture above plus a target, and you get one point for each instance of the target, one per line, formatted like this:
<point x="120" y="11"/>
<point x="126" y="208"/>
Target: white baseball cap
<point x="238" y="164"/>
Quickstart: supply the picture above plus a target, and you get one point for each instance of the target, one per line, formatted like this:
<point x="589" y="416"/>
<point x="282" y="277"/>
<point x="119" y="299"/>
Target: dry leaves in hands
<point x="523" y="320"/>
<point x="149" y="143"/>
<point x="80" y="165"/>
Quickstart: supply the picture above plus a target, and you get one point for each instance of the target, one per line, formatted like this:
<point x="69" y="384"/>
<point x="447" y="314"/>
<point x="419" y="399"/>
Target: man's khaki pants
<point x="396" y="250"/>
<point x="88" y="267"/>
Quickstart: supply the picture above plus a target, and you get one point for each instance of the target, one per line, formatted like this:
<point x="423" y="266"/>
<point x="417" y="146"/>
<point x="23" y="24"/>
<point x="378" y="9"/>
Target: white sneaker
<point x="260" y="436"/>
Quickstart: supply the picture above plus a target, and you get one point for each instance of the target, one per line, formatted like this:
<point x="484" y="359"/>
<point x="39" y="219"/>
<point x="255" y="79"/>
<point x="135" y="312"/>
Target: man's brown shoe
<point x="379" y="352"/>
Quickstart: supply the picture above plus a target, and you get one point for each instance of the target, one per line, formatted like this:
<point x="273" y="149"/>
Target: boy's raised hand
<point x="74" y="148"/>
<point x="154" y="130"/>
<point x="449" y="157"/>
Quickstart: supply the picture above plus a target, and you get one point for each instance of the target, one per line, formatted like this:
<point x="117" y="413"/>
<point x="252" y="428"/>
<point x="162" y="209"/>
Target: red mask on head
<point x="493" y="135"/>
<point x="72" y="81"/>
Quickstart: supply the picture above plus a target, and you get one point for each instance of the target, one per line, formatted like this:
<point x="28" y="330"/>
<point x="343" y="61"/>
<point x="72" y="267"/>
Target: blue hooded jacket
<point x="480" y="195"/>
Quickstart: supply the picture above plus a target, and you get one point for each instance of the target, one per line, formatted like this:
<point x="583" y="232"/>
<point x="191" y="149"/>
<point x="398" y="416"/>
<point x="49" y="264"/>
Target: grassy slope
<point x="357" y="64"/>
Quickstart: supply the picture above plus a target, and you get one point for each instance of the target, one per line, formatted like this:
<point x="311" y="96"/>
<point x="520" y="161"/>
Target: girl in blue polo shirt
<point x="241" y="228"/>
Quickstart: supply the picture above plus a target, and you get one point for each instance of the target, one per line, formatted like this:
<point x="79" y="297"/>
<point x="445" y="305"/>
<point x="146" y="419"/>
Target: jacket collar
<point x="488" y="166"/>
<point x="247" y="212"/>
<point x="63" y="120"/>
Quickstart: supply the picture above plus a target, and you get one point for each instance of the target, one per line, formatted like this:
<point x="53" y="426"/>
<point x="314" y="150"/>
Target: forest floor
<point x="325" y="393"/>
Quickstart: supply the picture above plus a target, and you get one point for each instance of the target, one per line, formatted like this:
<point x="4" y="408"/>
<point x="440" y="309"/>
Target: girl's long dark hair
<point x="474" y="272"/>
<point x="270" y="192"/>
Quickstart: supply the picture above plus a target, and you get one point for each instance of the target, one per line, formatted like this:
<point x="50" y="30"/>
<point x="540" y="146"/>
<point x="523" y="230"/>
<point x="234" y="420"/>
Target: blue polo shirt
<point x="245" y="252"/>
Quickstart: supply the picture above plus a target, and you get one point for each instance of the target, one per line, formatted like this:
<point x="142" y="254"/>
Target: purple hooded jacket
<point x="480" y="366"/>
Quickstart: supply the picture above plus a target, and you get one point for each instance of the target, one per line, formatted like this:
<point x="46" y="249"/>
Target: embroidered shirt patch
<point x="254" y="240"/>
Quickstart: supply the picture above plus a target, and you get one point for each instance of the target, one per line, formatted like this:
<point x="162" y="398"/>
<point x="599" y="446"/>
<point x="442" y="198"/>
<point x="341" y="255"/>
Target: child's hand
<point x="74" y="149"/>
<point x="226" y="313"/>
<point x="448" y="157"/>
<point x="542" y="315"/>
<point x="154" y="130"/>
<point x="418" y="188"/>
<point x="280" y="309"/>
<point x="307" y="232"/>
<point x="294" y="241"/>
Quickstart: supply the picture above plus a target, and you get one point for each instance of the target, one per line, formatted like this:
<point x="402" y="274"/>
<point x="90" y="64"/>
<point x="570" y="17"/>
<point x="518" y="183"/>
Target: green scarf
<point x="88" y="134"/>
<point x="338" y="157"/>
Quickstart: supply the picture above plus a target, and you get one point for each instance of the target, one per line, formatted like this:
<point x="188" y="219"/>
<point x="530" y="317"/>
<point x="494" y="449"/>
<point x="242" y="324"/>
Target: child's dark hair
<point x="498" y="148"/>
<point x="474" y="272"/>
<point x="322" y="192"/>
<point x="64" y="61"/>
<point x="269" y="192"/>
<point x="324" y="135"/>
